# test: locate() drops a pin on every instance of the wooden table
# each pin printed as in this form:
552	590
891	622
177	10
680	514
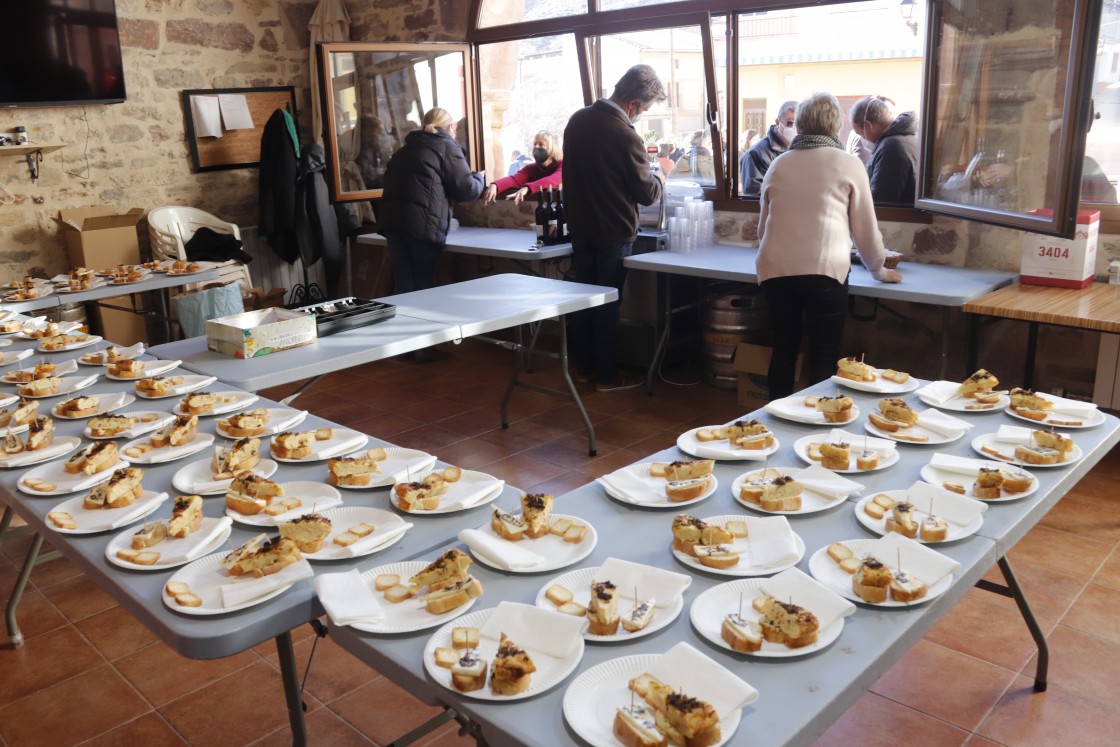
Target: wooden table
1096	307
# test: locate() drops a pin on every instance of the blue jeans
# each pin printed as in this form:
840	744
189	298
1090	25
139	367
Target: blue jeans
823	303
414	263
594	332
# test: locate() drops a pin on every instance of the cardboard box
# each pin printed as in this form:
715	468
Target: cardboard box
98	237
1066	263
256	333
371	271
752	363
121	327
258	299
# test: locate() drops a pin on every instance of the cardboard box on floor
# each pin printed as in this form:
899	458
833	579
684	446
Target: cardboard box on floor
99	237
752	363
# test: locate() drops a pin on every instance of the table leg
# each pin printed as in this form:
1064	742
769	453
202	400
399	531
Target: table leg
591	448
310	383
1013	590
15	636
1032	348
973	343
5	522
290	676
665	313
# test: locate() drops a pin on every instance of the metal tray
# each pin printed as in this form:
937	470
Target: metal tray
341	314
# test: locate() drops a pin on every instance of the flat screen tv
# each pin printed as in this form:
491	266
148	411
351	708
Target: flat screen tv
60	53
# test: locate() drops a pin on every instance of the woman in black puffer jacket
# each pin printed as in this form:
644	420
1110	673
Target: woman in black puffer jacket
422	182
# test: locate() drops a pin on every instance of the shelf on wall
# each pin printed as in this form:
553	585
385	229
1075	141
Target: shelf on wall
23	150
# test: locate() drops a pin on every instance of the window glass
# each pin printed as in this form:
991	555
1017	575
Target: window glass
851	50
526	86
502	12
620	4
1102	145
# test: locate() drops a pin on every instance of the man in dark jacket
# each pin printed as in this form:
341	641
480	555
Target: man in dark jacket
422	182
893	168
606	173
755	162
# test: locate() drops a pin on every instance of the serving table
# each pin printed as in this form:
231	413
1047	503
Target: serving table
935	285
505	243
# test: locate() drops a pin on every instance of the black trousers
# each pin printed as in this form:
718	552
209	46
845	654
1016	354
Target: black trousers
593	333
816	303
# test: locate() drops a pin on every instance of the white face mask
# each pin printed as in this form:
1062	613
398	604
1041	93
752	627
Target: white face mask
789	133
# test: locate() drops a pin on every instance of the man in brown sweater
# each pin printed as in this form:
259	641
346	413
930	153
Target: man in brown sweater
606	175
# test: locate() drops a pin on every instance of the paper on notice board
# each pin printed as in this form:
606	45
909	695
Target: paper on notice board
206	116
235	111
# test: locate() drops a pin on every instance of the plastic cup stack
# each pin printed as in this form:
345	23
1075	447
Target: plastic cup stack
692	226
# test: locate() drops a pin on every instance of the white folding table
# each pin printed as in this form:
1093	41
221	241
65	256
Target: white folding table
504	243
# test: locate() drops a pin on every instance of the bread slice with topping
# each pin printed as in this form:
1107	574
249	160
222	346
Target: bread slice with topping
536	510
186	515
512	669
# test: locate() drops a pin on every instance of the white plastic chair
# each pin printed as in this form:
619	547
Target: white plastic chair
172	226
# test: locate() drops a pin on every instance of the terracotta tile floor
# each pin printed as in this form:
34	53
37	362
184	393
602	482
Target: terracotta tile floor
90	674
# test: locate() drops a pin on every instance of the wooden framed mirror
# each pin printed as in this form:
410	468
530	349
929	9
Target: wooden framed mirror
373	95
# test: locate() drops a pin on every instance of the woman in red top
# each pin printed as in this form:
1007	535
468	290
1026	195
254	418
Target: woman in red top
542	173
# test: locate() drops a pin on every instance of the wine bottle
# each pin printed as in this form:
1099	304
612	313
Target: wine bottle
561	223
550	206
541	219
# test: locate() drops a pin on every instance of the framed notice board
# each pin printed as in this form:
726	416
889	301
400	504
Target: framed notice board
236	148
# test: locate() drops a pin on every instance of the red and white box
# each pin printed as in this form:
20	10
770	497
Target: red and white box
1066	263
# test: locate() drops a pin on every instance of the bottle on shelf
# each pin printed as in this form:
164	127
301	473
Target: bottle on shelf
541	219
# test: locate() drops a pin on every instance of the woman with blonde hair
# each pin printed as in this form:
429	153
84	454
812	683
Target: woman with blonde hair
423	181
542	173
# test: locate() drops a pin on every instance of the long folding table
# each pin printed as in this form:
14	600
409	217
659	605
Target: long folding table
502	243
935	285
799	696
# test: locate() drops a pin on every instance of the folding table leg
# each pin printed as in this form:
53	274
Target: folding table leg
15	636
591	448
666	316
1015	591
5	522
290	675
310	383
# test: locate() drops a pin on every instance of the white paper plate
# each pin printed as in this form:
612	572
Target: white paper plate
279	419
962	404
721	449
238	401
579	582
879	526
556	552
70	384
60	447
7	399
810	502
67	289
937	478
308	492
167	453
796	411
339	436
106	403
161	419
206	577
101	357
185	478
744	568
399	464
550	672
709	609
469	483
592	699
171	273
16	357
344	517
801	448
123	541
656	485
1090	422
191	382
44	290
83	517
64	482
880	386
914	430
410	615
989	440
828	572
151	368
91	340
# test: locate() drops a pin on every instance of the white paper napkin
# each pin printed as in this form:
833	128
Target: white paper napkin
288	422
208	486
113	518
1083	410
684	668
805	591
625	485
859	441
958	465
939	392
918	560
664	586
82	383
245	590
198	541
535	629
347	445
348	598
1013	434
790	407
941	423
65	367
97	477
17	356
22	458
826	482
318	505
465	496
770	541
502	553
189	387
384	533
109	402
952	507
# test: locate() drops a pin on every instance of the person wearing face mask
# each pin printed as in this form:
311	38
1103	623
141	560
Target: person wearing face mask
893	167
755	162
606	174
543	172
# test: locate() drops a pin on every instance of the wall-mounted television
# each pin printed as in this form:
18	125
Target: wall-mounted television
60	53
